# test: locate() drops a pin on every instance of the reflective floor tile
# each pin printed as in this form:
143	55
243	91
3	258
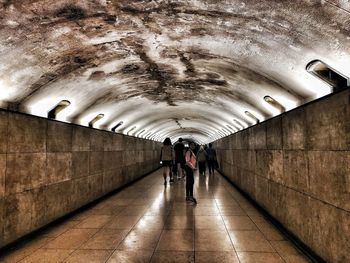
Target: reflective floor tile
209	222
72	239
179	222
256	257
239	223
212	240
176	240
134	256
105	239
90	256
250	241
216	257
94	221
44	255
146	240
172	257
122	222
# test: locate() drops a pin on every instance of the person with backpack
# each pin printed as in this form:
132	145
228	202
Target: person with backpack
190	166
166	158
212	161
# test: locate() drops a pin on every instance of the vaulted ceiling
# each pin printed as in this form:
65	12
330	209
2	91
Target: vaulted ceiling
168	68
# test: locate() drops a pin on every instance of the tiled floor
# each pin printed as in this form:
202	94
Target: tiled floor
148	222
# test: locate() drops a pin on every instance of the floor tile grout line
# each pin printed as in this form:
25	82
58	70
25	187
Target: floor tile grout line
194	237
42	246
124	236
99	229
160	236
256	224
229	236
32	252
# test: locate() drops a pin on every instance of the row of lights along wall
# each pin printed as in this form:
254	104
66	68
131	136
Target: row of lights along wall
316	67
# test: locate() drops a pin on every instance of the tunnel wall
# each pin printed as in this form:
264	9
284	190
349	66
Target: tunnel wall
50	168
297	167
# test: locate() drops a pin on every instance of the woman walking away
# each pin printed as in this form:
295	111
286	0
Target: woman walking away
166	157
190	166
202	159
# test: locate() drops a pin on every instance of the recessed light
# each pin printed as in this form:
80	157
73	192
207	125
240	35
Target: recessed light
58	108
248	113
96	119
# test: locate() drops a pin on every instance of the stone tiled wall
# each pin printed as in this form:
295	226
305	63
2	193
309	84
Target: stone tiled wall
49	168
297	167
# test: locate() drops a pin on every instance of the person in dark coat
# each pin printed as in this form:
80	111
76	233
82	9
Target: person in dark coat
211	156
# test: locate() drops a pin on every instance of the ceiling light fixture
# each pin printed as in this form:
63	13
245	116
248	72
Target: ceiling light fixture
116	126
96	119
274	103
249	114
327	74
240	125
133	128
52	114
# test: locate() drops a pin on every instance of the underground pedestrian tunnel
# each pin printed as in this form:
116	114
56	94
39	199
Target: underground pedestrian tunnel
90	89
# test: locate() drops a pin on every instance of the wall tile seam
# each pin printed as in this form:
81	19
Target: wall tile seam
300	150
120	150
49	184
69	209
286	149
6	161
298	191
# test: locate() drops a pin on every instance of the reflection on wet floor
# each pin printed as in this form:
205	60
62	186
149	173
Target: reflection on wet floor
148	222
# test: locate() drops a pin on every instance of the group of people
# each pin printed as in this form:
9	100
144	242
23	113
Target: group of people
183	161
206	156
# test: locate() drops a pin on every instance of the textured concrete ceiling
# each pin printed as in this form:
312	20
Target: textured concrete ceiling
168	68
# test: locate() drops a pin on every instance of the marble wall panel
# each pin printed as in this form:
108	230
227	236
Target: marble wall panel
18	215
57	197
2	174
294	129
108	141
302	176
80	164
3	131
51	168
274	133
39	215
259	137
97	139
330	177
96	162
2	223
81	139
329	129
59	137
26	134
119	143
296	172
25	171
58	167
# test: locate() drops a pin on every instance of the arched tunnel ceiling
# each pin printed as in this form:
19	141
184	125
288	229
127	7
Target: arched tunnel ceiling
168	68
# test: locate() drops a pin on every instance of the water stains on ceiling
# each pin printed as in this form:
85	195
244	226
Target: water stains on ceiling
172	68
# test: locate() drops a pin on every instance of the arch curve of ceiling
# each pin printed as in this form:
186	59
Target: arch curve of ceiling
168	68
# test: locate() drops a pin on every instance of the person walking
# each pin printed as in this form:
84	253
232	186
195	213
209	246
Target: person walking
190	166
179	149
166	158
211	155
202	159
